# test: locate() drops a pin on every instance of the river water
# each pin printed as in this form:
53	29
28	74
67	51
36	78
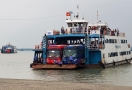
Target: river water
17	66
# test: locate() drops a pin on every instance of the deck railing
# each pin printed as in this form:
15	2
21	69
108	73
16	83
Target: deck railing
105	32
96	47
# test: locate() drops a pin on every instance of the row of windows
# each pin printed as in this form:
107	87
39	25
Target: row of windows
110	41
113	54
125	52
123	41
114	41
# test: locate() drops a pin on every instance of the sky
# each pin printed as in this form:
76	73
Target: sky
24	22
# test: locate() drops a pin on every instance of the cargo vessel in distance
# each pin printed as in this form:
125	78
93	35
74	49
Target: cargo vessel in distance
8	49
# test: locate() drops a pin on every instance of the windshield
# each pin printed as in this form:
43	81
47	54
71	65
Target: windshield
53	53
67	53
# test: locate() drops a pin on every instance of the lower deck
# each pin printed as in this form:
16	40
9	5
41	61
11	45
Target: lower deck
56	66
76	66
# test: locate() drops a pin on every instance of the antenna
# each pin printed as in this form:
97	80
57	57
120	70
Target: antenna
97	15
77	16
83	15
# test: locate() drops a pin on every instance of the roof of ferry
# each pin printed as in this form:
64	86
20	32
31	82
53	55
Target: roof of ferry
97	24
73	35
76	20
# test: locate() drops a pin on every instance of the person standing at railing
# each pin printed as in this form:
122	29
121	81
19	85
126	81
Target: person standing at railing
66	31
35	59
71	30
49	43
117	32
85	31
101	31
62	30
70	59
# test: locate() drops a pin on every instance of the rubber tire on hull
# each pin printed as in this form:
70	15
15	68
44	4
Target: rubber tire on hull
126	60
103	65
113	63
31	65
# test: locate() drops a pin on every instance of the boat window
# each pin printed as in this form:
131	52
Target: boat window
112	40
75	24
116	53
112	54
115	41
123	53
106	41
109	40
108	54
126	41
121	41
67	53
69	24
129	52
53	53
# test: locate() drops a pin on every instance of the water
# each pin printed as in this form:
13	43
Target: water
17	66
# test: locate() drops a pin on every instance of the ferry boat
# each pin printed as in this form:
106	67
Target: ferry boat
9	49
103	46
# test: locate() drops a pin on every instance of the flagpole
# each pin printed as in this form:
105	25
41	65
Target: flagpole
78	10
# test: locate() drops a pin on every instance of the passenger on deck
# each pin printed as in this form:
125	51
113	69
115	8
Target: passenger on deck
101	31
49	43
71	30
35	59
85	31
35	46
39	60
80	29
66	31
60	63
80	42
70	59
38	46
55	61
88	31
74	30
62	30
117	32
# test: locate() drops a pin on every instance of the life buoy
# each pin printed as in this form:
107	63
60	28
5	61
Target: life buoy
103	65
126	60
31	65
113	62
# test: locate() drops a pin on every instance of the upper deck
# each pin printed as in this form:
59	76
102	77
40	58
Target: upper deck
78	30
77	27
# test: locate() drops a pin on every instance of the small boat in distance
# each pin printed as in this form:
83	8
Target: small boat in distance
21	49
9	49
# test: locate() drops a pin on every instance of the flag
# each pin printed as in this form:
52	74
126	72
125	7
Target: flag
68	14
77	6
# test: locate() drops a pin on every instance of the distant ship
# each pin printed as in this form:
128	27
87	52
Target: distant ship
22	49
9	49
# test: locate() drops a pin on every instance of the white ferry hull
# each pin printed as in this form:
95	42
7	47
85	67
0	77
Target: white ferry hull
117	63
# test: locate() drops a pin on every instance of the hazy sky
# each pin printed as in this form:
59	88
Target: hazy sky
24	22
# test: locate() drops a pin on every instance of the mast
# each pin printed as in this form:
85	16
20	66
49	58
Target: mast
77	16
97	16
